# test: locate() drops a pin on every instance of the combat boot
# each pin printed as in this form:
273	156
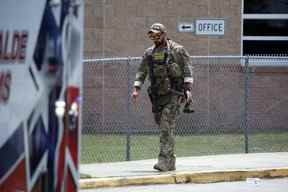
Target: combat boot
172	163
161	167
165	164
161	164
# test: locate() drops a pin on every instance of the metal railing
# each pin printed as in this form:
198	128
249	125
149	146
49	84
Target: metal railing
240	106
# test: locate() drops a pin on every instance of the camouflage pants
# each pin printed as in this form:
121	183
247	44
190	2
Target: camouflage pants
166	120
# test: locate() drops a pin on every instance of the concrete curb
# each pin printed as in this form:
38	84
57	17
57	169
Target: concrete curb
185	177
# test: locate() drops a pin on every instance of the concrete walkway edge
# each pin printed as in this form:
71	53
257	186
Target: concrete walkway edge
185	177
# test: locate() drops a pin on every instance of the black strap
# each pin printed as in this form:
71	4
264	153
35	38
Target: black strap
152	90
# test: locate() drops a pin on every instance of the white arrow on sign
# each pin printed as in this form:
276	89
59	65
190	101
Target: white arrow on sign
185	27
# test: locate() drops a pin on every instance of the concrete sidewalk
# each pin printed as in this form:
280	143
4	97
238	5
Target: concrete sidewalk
200	169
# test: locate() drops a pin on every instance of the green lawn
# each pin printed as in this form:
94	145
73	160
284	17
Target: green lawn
109	148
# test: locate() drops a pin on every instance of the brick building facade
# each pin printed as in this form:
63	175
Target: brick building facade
118	27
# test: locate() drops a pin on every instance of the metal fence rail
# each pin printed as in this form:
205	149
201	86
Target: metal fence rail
240	106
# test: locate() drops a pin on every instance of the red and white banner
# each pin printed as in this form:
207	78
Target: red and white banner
40	66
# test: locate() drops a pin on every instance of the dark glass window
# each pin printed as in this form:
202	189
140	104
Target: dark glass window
265	27
266	6
265	47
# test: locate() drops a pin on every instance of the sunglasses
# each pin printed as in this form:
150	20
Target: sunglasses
154	36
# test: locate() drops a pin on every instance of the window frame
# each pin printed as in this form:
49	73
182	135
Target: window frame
260	16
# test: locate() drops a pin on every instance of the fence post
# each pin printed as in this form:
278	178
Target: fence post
245	114
128	133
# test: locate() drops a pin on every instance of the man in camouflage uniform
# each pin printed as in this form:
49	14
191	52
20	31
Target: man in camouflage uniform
170	73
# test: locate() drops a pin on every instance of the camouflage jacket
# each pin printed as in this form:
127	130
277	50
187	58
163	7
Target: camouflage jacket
179	55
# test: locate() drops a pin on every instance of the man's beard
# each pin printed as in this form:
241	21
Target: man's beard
159	43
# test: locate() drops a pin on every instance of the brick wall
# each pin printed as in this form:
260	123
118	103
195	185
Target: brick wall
118	27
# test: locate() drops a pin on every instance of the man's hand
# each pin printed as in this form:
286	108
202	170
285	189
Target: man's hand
187	92
188	96
188	108
135	94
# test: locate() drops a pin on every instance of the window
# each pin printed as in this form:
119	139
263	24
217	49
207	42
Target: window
265	6
268	47
265	27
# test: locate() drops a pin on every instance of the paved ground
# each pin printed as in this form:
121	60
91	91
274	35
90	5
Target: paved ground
201	169
263	185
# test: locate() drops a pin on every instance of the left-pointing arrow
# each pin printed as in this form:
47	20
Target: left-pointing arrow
186	27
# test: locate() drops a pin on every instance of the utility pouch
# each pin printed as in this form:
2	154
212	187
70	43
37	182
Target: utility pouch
174	70
163	86
160	70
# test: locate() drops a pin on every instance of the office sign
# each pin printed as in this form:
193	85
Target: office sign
210	27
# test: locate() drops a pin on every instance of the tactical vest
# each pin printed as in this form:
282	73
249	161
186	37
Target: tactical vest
165	73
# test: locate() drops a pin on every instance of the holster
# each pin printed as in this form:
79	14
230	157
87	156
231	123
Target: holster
188	107
156	108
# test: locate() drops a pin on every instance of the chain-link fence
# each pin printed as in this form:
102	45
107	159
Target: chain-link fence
240	106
